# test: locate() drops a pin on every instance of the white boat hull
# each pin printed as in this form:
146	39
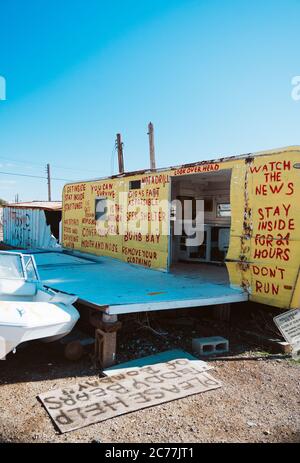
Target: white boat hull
26	321
28	310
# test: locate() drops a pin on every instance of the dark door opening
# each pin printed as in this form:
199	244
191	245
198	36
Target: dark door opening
213	188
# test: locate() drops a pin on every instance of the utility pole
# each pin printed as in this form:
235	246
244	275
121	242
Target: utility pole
120	153
48	181
151	145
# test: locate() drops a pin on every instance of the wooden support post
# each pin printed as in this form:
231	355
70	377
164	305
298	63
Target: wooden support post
105	337
151	145
221	312
105	347
120	153
48	181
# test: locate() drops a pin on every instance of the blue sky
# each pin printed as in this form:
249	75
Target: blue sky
214	76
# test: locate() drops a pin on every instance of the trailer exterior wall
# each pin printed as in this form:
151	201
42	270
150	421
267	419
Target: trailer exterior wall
264	251
149	248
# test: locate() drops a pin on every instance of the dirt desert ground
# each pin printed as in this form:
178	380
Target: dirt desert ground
259	400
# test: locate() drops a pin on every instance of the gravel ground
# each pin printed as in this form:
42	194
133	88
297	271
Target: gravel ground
259	400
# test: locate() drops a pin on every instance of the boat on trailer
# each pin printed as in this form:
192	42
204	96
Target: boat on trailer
29	310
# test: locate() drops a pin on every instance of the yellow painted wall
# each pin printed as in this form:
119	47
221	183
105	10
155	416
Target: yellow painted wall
148	248
264	252
265	234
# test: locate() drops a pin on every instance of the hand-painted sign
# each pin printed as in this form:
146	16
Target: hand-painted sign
265	228
288	324
97	400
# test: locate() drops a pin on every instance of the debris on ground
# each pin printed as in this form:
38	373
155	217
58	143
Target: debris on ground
161	357
264	392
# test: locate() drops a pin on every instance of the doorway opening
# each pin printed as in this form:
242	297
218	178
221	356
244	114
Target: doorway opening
213	188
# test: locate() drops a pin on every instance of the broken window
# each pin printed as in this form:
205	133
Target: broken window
134	184
100	208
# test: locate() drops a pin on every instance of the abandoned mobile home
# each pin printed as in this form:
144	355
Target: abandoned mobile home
250	248
251	234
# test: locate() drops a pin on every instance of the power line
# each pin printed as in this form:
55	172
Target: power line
48	181
37	176
42	165
21	162
72	168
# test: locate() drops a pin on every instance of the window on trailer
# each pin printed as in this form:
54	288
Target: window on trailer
100	208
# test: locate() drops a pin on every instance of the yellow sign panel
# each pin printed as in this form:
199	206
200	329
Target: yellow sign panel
265	240
129	205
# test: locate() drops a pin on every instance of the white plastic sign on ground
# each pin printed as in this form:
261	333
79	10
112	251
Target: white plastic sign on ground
288	324
98	399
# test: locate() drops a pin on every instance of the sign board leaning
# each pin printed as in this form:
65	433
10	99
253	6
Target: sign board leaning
288	324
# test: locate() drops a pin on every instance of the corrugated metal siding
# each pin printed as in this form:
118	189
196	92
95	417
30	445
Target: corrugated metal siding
26	228
1	224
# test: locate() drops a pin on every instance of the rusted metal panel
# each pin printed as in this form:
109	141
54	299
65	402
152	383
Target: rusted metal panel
27	228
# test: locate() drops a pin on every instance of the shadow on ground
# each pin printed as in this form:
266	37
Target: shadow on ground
141	335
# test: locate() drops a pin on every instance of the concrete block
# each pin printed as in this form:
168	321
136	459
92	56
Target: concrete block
210	346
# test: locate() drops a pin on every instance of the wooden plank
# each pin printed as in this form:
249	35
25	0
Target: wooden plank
276	345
